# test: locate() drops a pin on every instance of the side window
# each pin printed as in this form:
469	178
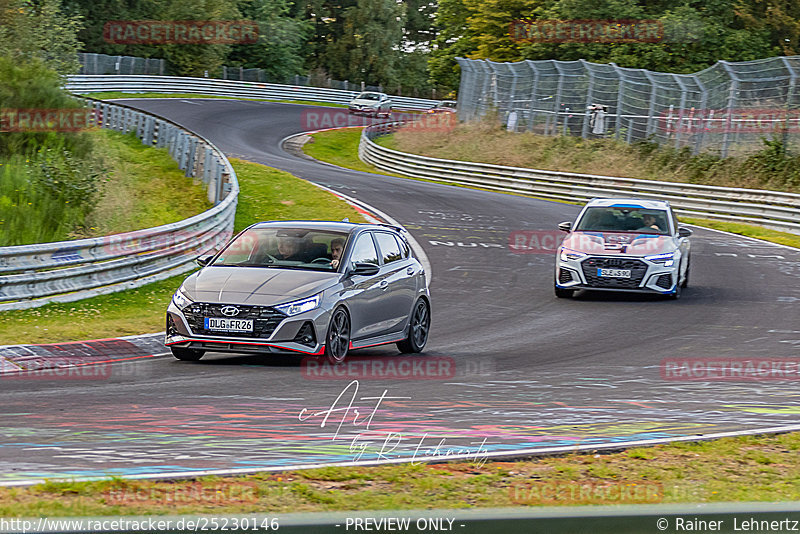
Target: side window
390	249
404	248
364	250
674	229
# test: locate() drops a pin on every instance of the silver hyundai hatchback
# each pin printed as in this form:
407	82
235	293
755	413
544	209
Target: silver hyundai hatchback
305	287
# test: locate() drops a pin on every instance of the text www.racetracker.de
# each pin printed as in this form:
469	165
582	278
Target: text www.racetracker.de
197	524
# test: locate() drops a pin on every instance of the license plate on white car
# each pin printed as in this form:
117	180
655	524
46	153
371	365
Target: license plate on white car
222	324
614	273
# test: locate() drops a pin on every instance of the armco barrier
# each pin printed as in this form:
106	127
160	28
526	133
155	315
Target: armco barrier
230	88
772	209
33	275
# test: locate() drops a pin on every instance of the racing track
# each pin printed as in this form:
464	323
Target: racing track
527	370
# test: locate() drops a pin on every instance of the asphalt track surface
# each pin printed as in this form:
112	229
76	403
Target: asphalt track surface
513	367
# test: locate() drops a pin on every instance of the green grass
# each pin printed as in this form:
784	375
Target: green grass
144	187
784	238
762	468
113	95
340	147
265	194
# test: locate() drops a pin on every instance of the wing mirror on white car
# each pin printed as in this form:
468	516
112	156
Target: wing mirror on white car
684	232
565	226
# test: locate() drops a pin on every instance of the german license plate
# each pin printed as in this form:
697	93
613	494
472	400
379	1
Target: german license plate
614	273
223	324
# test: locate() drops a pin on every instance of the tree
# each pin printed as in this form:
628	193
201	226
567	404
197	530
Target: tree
40	30
281	40
369	46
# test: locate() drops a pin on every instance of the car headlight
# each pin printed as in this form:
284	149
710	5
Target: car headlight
180	299
567	254
666	259
299	306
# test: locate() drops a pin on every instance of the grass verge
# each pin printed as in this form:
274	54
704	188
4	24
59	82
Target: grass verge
266	194
340	147
113	95
144	187
762	468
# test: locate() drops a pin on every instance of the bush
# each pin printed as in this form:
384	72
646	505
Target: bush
33	86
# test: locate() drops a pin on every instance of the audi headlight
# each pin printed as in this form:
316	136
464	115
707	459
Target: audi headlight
180	299
299	306
666	259
567	254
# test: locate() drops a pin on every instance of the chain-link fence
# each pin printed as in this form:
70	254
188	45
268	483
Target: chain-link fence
262	76
727	108
103	64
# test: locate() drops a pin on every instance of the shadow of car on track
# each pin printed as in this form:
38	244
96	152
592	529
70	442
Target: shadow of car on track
618	296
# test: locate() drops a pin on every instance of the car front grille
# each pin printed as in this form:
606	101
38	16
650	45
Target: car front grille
590	265
265	319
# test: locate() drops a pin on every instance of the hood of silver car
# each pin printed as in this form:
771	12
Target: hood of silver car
255	285
609	243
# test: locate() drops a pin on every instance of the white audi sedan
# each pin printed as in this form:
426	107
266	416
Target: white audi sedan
624	244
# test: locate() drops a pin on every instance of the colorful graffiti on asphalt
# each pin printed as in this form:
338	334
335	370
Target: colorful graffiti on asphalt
40	439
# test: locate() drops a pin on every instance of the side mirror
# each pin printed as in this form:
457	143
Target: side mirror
684	232
202	261
365	269
565	226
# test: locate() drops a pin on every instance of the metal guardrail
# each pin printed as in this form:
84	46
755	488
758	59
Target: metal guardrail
772	209
33	275
210	86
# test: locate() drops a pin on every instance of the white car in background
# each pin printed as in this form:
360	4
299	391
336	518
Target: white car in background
624	244
371	103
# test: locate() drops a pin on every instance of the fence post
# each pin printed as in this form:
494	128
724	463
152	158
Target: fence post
589	99
557	104
698	144
731	99
651	111
681	109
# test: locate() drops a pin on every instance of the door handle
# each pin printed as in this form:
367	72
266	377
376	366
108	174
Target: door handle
384	284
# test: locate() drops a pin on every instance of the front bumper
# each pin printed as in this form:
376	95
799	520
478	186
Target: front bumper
646	276
290	335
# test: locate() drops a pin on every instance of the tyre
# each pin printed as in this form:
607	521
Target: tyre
418	328
337	341
677	293
563	293
187	355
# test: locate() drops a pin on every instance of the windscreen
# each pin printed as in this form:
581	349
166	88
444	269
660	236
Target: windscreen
288	248
620	219
368	96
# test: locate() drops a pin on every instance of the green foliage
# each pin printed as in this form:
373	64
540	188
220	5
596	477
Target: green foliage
39	31
368	47
45	196
695	35
281	40
196	59
32	85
